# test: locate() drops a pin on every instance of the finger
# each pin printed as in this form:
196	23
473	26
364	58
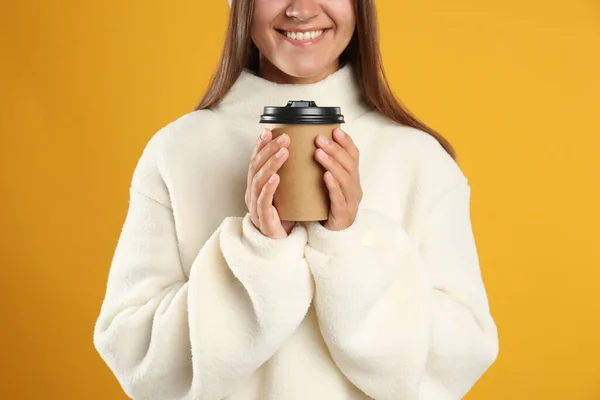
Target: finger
339	153
336	195
339	173
265	202
344	140
268	169
263	151
267	152
263	139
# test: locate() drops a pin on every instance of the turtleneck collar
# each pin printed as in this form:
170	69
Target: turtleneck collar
244	103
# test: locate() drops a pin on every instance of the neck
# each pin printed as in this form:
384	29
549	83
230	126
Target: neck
271	73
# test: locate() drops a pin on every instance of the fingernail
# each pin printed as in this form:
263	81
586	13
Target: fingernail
280	152
340	132
263	135
323	139
281	138
272	179
322	154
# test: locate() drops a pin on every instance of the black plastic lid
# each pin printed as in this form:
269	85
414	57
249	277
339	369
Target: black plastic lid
302	112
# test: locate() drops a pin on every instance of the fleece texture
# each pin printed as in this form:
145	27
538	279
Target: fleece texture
200	305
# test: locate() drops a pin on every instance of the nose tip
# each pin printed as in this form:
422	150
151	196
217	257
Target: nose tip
303	10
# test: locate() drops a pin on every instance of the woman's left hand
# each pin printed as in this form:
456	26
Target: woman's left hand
340	158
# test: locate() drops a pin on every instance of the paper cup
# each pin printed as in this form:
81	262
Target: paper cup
302	194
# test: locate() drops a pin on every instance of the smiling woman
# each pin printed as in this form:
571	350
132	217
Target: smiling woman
212	296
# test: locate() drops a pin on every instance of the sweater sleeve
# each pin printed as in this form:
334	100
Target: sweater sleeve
403	319
165	336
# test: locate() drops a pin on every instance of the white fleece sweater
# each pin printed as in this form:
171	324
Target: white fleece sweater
201	306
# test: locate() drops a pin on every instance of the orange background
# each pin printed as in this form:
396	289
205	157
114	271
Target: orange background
514	85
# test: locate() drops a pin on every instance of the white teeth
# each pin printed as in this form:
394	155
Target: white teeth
304	35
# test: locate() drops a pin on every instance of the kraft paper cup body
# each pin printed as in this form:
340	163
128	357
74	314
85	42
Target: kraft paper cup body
302	194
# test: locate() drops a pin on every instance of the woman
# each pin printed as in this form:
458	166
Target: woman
211	296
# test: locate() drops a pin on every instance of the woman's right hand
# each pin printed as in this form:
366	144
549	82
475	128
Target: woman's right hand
268	156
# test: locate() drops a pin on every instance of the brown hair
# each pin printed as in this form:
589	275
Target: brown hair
363	53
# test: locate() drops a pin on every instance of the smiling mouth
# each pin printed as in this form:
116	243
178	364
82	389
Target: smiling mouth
303	35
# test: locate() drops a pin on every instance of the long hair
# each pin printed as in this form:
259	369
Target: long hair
363	53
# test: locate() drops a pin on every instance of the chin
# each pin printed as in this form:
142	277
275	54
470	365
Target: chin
304	69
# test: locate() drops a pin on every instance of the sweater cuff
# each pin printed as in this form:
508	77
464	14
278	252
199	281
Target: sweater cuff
289	247
330	242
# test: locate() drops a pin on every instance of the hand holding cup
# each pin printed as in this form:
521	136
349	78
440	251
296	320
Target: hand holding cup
268	157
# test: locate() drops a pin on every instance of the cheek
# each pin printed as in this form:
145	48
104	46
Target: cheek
343	15
259	27
265	13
